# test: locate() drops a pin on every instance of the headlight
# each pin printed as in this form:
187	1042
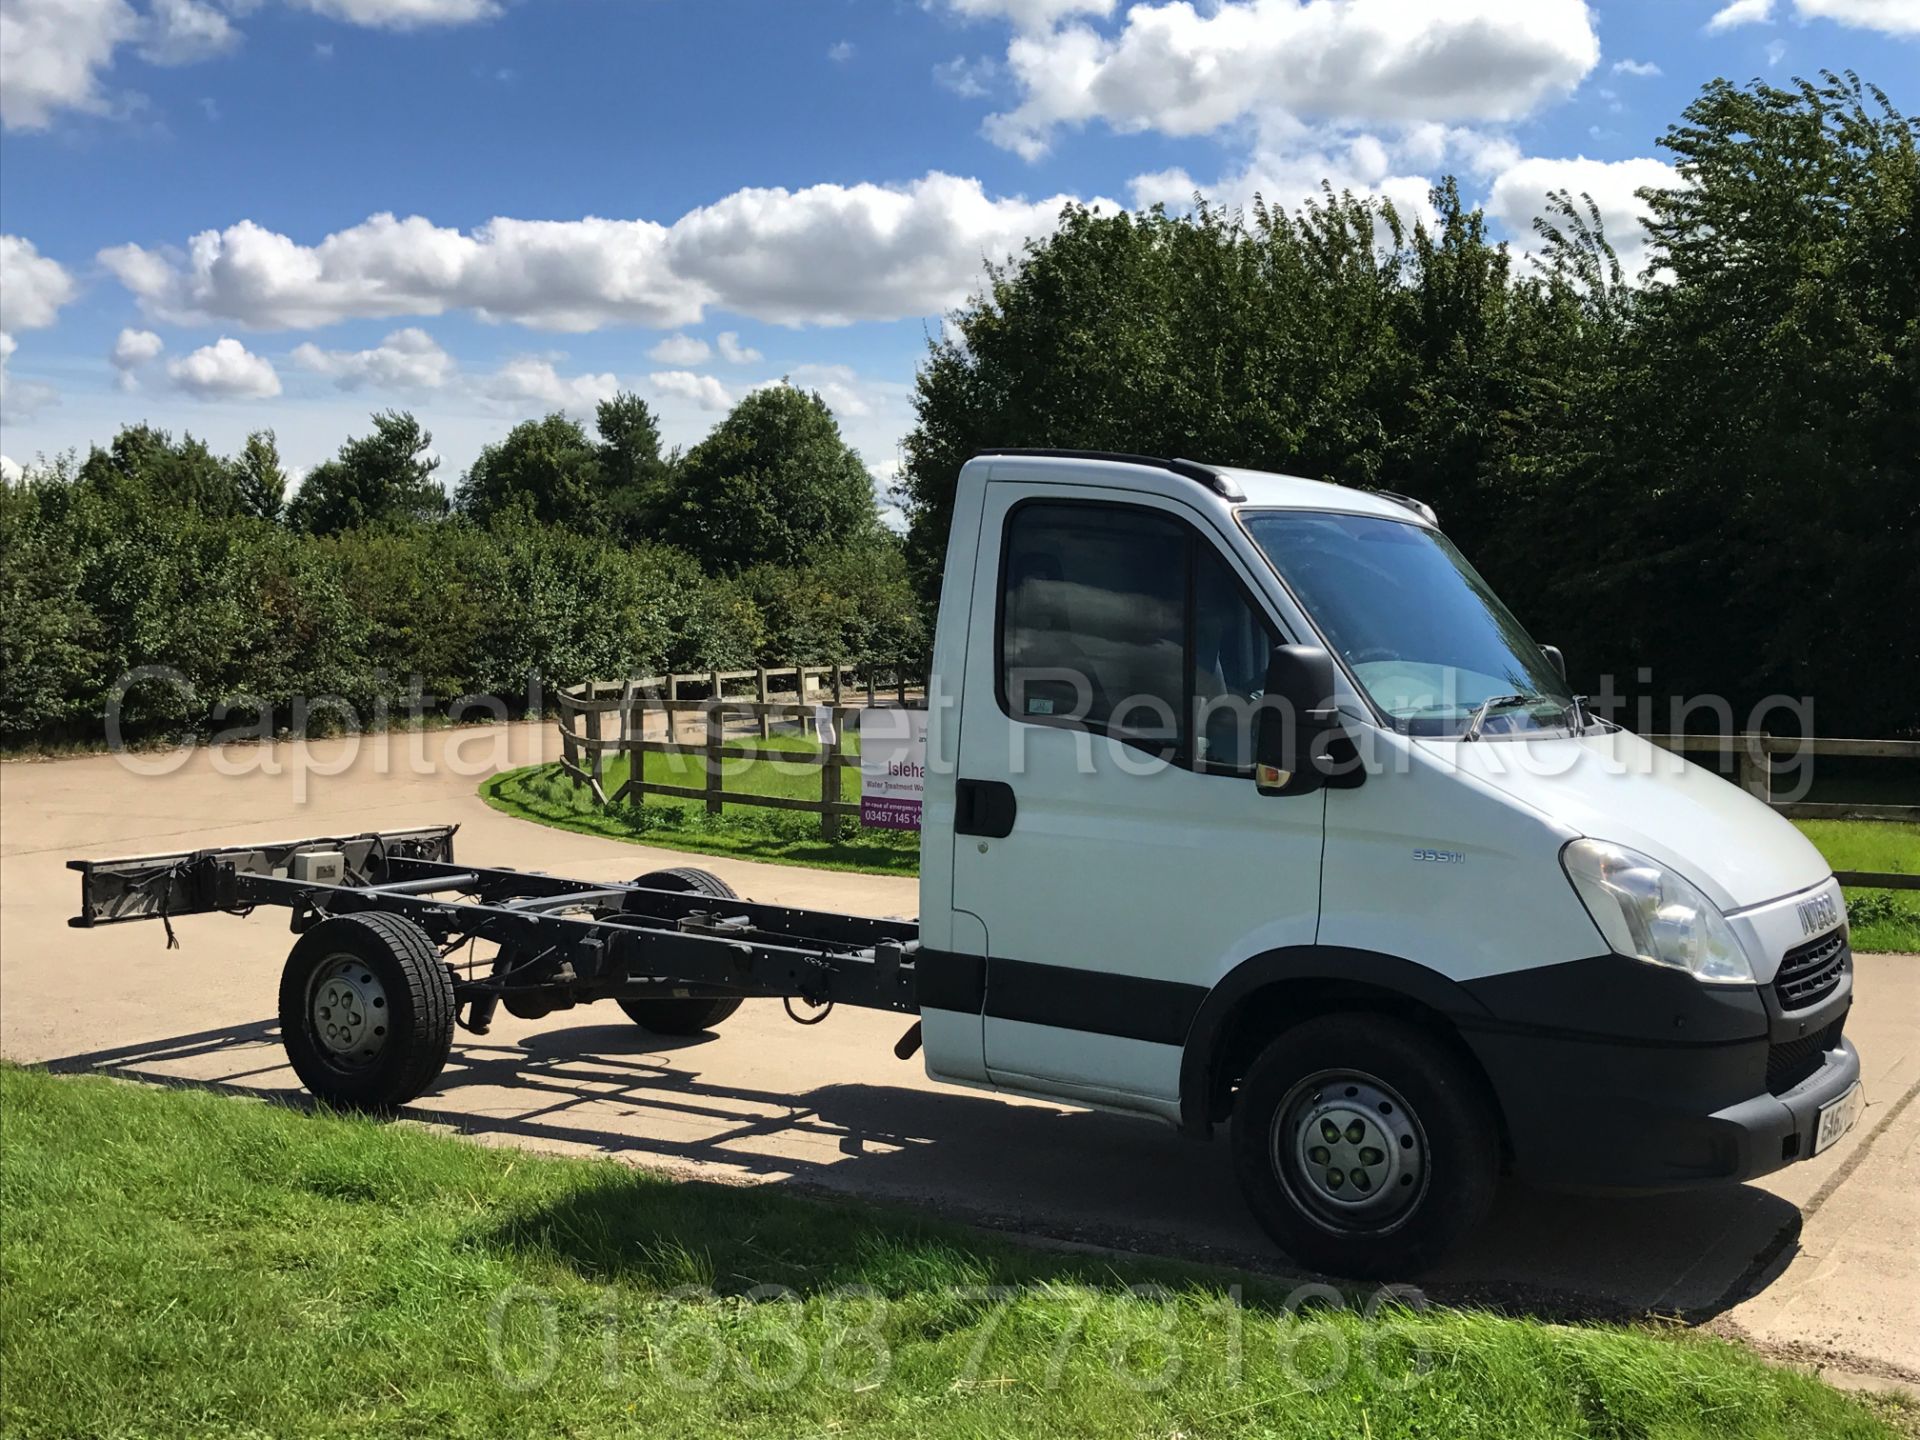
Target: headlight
1646	911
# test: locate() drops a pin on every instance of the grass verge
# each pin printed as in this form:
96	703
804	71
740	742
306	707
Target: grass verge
179	1263
544	793
1877	919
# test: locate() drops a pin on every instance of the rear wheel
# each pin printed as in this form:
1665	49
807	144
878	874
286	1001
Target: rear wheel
1363	1145
366	1011
670	1015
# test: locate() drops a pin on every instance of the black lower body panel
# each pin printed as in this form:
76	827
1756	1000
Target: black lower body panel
1612	1074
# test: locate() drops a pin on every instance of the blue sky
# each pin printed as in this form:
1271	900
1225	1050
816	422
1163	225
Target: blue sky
692	197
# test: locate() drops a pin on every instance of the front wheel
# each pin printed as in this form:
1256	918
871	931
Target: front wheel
366	1011
672	1015
1364	1146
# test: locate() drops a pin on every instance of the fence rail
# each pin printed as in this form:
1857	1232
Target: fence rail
834	694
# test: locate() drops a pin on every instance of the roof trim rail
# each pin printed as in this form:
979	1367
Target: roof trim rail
1419	507
1207	475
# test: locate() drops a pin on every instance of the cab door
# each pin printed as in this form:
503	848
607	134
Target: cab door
1108	834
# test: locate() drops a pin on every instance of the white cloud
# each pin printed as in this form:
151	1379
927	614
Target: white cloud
224	370
403	14
835	254
681	350
1519	194
1741	12
1896	17
561	275
51	53
703	390
1030	14
969	79
32	291
732	351
32	287
131	350
182	32
1641	69
1776	51
20	399
826	255
840	51
408	359
532	379
1179	71
10	470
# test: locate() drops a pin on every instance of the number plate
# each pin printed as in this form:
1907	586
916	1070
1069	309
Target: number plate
1837	1117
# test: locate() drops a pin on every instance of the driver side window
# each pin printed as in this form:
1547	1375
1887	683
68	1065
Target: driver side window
1128	622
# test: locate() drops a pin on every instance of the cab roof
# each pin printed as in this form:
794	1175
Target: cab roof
1261	489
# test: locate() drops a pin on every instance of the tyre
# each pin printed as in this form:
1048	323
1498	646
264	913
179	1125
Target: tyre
1364	1147
366	1011
668	1015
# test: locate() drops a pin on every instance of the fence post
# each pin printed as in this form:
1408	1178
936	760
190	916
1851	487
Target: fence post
830	781
714	736
569	750
596	757
760	689
836	692
1756	766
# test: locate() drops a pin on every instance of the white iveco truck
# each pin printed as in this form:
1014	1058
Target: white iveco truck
1247	804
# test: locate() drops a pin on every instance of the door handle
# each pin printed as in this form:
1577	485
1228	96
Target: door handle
983	807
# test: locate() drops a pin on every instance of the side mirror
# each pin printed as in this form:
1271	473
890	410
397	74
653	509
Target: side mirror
1296	718
1555	659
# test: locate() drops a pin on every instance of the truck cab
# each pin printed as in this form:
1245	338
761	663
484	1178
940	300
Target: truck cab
1249	803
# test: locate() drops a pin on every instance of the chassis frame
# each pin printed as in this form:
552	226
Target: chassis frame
562	942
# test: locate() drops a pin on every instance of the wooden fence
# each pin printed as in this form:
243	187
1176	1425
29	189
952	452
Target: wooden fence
837	694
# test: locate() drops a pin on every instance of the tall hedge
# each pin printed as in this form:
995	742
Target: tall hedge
245	615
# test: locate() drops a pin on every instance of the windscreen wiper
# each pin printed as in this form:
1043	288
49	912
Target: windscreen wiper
1488	706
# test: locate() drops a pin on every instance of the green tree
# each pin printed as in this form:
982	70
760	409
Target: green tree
259	478
381	478
1779	361
636	475
774	483
546	469
144	467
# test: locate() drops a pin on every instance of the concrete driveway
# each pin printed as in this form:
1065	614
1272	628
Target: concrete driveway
1819	1264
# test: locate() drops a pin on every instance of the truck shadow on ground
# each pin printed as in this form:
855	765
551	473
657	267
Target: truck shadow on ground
1025	1169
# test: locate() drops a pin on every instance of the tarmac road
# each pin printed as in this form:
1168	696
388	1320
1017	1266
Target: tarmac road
1818	1264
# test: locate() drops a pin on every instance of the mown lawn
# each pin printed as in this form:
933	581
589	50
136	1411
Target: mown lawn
1878	919
177	1263
546	794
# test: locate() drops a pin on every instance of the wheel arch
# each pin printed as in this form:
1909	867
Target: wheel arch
1277	989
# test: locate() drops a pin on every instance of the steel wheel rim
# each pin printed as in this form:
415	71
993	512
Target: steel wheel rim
347	1010
1350	1152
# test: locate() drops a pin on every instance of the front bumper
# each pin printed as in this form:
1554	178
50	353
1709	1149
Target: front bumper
1667	1084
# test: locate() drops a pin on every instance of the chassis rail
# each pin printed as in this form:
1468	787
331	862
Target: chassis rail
561	941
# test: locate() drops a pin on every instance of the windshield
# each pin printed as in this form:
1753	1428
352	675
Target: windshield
1422	633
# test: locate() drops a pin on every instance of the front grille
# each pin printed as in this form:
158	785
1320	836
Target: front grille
1792	1061
1811	972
